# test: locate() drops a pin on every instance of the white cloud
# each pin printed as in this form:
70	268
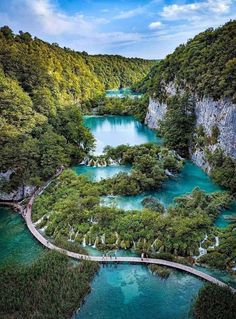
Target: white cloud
155	25
188	11
80	32
130	13
54	22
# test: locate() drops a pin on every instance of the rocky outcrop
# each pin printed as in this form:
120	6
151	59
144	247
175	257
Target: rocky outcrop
209	114
156	112
18	194
221	113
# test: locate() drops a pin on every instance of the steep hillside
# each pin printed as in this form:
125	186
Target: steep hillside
193	101
115	71
42	90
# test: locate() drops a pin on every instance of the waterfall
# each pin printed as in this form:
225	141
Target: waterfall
43	229
117	238
153	244
91	162
39	220
76	234
71	233
103	239
168	173
217	241
202	251
84	242
95	243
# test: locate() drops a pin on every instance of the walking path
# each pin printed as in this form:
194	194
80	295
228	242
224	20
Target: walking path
27	216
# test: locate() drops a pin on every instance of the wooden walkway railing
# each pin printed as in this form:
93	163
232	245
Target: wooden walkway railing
106	259
27	212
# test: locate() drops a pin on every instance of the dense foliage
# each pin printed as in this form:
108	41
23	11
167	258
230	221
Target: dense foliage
115	71
42	91
214	302
223	256
150	165
223	169
205	65
52	287
76	211
122	106
178	124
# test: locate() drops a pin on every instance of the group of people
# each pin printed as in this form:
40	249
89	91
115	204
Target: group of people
110	255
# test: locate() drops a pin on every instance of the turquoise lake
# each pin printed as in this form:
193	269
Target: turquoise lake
123	291
116	130
121	93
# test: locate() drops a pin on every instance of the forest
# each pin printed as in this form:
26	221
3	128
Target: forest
215	302
73	208
51	287
203	67
43	92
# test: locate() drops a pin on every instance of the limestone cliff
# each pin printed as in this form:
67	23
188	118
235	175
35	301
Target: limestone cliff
209	114
20	193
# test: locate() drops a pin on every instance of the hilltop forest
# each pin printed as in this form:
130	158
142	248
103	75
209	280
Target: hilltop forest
43	89
203	67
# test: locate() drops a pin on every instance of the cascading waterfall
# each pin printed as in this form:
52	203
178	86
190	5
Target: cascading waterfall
39	220
168	173
153	244
84	242
43	229
100	162
202	251
117	238
217	242
95	242
103	239
71	233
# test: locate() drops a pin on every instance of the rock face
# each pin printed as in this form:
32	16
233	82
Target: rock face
156	112
209	114
18	194
221	113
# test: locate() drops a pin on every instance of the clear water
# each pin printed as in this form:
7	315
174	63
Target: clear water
98	173
16	242
116	130
122	93
122	291
126	291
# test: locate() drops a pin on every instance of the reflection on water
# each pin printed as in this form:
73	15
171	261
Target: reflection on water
117	130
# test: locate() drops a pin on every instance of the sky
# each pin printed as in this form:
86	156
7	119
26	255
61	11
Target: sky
133	28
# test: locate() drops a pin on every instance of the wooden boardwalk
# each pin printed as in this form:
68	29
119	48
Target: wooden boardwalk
27	212
136	260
